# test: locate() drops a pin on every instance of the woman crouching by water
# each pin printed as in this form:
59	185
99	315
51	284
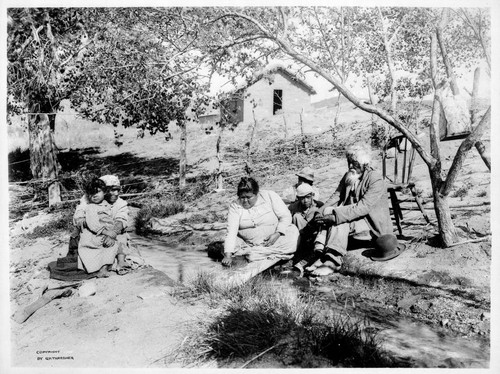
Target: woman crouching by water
259	226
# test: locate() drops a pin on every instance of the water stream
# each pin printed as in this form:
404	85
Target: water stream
403	337
179	264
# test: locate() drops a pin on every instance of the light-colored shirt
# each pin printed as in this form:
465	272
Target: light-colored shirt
98	217
254	225
119	211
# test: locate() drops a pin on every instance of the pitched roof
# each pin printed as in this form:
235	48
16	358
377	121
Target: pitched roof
289	75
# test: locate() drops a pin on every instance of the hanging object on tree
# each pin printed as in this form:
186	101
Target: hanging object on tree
454	121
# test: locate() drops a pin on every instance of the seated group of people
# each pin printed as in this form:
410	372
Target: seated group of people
311	233
260	224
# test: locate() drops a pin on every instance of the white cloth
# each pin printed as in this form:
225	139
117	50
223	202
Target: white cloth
92	255
254	225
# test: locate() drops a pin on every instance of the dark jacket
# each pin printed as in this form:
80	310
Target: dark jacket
371	203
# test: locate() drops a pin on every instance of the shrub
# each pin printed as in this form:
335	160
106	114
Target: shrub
158	209
462	191
19	165
62	223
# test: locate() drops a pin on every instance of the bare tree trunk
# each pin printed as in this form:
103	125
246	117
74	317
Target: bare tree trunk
370	92
446	227
182	157
248	162
466	145
286	126
481	149
337	111
390	62
219	178
475	93
444	52
43	153
482	152
305	143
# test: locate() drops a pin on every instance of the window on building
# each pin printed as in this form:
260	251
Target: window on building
277	101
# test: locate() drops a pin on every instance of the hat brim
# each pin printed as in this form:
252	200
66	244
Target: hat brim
399	249
307	194
305	177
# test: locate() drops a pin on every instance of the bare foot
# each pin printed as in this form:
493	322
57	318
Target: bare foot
103	272
314	266
227	260
326	269
300	267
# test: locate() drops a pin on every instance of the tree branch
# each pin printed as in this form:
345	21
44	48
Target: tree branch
466	145
447	63
284	20
436	105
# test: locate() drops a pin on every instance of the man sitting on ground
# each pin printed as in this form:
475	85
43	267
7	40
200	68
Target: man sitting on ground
359	204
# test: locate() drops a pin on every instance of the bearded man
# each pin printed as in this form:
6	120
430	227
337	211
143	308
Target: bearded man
359	205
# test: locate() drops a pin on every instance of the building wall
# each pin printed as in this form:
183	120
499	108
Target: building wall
295	98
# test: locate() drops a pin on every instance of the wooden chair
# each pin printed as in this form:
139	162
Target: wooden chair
399	179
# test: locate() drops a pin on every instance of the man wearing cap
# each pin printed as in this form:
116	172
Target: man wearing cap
305	176
119	213
360	204
303	211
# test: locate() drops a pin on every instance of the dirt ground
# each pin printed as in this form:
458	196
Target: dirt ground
135	321
431	305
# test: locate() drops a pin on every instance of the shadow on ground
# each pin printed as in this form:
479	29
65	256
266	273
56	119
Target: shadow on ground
89	160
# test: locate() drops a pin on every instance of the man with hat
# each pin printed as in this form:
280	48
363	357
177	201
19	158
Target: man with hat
303	211
305	176
119	213
360	204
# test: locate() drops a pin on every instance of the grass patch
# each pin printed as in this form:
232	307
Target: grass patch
243	332
263	315
344	343
156	208
62	223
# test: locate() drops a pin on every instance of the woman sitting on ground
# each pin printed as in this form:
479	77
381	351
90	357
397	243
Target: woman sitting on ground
259	225
97	247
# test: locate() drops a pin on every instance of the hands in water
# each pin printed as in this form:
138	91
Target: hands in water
271	239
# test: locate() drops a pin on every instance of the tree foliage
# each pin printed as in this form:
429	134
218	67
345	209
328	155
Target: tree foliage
45	48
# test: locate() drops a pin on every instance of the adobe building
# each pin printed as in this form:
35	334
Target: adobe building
272	92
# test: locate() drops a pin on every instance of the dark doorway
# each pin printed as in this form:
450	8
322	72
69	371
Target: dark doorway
277	100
